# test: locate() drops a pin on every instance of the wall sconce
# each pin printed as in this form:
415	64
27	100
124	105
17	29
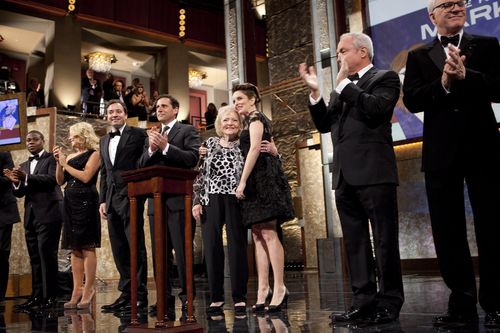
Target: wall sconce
100	61
182	23
196	78
71	6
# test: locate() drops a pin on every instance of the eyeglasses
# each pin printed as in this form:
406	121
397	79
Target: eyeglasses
451	4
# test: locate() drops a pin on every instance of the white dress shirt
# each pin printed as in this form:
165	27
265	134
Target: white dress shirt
113	145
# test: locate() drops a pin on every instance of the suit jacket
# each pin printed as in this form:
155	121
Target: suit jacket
42	195
8	202
459	125
359	120
184	143
112	187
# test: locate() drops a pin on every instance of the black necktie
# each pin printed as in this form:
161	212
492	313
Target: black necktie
114	133
34	157
164	129
353	77
450	40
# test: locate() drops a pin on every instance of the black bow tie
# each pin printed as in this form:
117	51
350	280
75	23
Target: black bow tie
450	40
34	157
114	133
353	77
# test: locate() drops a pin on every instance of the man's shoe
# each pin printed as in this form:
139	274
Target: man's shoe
118	303
453	318
353	314
142	307
152	309
31	303
383	316
49	303
492	319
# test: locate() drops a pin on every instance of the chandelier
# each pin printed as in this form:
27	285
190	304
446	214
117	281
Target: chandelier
196	78
100	61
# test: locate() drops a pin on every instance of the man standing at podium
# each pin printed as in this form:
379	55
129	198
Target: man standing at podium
175	145
119	150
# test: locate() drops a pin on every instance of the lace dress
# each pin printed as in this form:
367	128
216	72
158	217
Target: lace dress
267	193
82	223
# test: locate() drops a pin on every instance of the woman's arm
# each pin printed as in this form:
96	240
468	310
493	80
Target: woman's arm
59	169
256	129
88	172
136	99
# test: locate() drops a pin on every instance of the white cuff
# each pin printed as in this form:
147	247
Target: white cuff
342	85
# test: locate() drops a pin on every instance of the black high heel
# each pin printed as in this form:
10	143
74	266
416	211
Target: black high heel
261	307
281	306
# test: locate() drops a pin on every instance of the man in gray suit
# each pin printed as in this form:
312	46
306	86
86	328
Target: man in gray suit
176	145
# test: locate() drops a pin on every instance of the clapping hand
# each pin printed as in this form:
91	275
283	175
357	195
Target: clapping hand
454	68
156	140
310	78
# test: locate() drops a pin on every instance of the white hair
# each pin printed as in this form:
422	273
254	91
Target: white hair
361	40
431	4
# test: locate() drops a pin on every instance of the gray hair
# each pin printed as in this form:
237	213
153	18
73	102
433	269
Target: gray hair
431	4
361	40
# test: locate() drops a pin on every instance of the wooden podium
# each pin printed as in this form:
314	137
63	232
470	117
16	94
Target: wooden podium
157	181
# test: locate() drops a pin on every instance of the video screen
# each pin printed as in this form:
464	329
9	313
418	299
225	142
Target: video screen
10	130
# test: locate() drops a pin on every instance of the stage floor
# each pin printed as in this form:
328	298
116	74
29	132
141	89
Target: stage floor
311	302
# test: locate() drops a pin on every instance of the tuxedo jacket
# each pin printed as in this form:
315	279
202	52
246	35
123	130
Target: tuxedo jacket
113	190
42	195
459	125
182	153
8	202
359	120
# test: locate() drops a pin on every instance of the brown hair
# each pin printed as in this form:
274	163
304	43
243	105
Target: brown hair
249	90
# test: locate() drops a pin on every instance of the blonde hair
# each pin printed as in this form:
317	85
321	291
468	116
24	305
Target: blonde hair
223	111
86	134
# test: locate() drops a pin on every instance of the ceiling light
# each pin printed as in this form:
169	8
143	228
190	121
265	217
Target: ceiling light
100	61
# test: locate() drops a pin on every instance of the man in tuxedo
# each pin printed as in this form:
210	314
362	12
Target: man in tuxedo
175	145
454	79
10	215
120	149
358	116
91	93
35	181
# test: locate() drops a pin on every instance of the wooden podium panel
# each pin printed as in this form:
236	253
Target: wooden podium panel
157	181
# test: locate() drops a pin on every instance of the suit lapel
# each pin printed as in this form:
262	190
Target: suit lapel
105	148
40	162
437	55
466	46
174	131
123	141
366	78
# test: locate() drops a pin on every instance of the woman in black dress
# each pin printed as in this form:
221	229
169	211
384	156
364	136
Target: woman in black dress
82	224
265	197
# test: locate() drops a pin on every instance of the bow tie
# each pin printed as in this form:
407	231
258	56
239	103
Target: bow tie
450	40
353	77
114	133
34	157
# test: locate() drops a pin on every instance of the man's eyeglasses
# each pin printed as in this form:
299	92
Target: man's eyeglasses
451	4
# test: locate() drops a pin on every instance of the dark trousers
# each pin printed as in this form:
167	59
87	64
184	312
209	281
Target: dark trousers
119	236
175	241
445	194
223	209
5	241
42	241
376	204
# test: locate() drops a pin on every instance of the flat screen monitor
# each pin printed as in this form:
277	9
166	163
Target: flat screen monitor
13	121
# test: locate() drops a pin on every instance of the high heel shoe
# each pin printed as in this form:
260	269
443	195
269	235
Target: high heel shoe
215	310
261	307
281	306
86	305
74	300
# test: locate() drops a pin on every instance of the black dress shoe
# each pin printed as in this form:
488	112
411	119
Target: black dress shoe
142	307
32	302
492	319
383	316
453	318
49	303
118	303
354	313
152	309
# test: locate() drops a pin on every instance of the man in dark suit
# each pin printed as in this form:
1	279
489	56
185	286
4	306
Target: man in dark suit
364	176
120	149
175	145
35	181
454	79
10	215
91	93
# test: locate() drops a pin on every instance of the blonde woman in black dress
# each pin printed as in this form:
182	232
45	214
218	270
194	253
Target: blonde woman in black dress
82	224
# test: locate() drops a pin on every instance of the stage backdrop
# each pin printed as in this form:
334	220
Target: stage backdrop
399	26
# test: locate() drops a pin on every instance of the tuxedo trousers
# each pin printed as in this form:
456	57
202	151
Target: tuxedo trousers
42	241
445	195
359	207
224	209
5	243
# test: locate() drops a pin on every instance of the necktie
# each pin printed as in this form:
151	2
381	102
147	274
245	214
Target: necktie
164	129
114	133
450	40
34	157
353	77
